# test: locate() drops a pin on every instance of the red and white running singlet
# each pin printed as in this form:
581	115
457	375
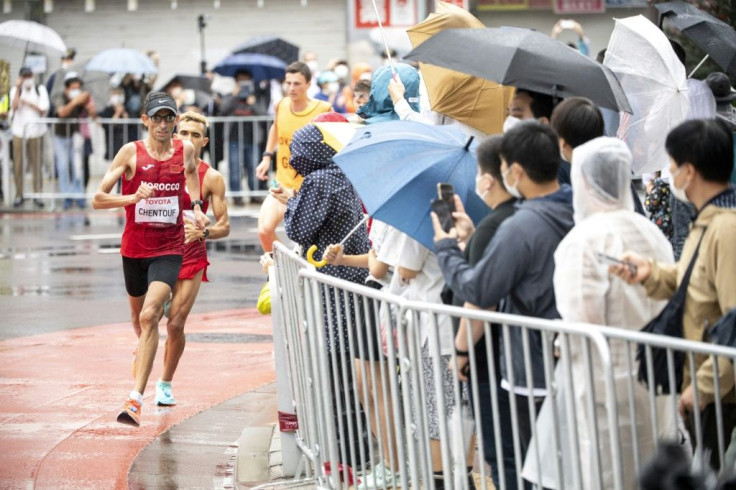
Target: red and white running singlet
196	250
154	226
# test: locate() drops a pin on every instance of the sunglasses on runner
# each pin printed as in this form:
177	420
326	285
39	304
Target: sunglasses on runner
169	118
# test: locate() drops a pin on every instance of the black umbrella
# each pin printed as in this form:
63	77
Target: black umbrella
272	46
525	59
713	36
194	82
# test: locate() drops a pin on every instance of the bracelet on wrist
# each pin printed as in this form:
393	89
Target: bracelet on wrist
461	353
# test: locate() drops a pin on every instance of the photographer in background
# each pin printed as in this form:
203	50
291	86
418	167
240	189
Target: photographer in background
244	136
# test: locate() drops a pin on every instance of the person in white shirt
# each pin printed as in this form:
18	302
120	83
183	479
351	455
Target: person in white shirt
29	102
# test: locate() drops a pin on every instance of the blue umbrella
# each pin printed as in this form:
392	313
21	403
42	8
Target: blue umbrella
261	66
121	60
396	166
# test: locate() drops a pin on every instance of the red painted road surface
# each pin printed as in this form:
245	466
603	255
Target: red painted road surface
60	393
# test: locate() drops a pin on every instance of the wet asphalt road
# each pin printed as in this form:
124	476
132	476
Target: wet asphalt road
61	270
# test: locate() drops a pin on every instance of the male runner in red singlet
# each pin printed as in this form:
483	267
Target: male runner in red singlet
192	127
156	174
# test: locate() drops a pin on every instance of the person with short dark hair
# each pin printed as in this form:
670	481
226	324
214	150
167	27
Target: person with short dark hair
577	120
245	137
701	160
517	266
69	142
489	187
528	105
535	151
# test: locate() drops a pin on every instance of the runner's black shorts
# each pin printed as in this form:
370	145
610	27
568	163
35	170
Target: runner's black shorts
139	273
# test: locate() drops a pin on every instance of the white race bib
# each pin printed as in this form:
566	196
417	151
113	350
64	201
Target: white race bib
162	210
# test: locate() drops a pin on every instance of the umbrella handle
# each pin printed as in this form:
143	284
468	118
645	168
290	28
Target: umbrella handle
310	257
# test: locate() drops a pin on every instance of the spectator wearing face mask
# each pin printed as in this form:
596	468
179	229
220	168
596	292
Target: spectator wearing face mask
75	103
116	135
29	102
701	160
245	137
328	87
342	70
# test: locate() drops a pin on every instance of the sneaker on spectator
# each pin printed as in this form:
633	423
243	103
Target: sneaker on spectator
131	414
164	397
38	203
380	477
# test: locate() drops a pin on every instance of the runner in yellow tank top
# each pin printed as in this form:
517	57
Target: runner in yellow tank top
288	122
292	113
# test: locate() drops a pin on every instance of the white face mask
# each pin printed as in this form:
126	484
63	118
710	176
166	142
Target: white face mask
512	190
27	84
73	93
679	192
117	99
342	72
333	87
190	97
483	194
510	122
313	66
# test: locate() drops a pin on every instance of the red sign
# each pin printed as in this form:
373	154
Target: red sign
463	4
579	6
288	422
394	13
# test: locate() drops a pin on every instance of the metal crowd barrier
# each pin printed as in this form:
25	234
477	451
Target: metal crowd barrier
104	137
366	366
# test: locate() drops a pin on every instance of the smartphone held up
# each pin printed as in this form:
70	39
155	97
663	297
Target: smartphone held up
444	205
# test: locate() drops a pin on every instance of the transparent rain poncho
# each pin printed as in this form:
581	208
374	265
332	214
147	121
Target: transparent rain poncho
585	292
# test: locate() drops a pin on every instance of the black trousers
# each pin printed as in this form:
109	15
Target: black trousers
709	425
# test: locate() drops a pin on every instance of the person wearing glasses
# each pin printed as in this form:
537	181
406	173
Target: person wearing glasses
156	173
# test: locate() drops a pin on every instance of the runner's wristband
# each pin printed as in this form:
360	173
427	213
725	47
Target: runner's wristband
268	154
197	203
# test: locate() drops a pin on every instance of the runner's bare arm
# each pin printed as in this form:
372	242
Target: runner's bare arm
265	165
123	161
213	187
190	172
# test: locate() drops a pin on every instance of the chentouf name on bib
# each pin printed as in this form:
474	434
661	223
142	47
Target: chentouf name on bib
157	211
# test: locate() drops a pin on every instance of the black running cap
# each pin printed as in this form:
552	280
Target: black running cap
160	103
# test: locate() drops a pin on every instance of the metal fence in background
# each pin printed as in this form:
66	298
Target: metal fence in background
375	387
235	147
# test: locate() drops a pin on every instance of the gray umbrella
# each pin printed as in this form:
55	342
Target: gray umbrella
525	59
713	36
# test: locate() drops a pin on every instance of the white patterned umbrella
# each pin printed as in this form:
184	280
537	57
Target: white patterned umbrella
29	35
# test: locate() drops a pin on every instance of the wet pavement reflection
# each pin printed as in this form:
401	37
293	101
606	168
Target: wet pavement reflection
63	270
